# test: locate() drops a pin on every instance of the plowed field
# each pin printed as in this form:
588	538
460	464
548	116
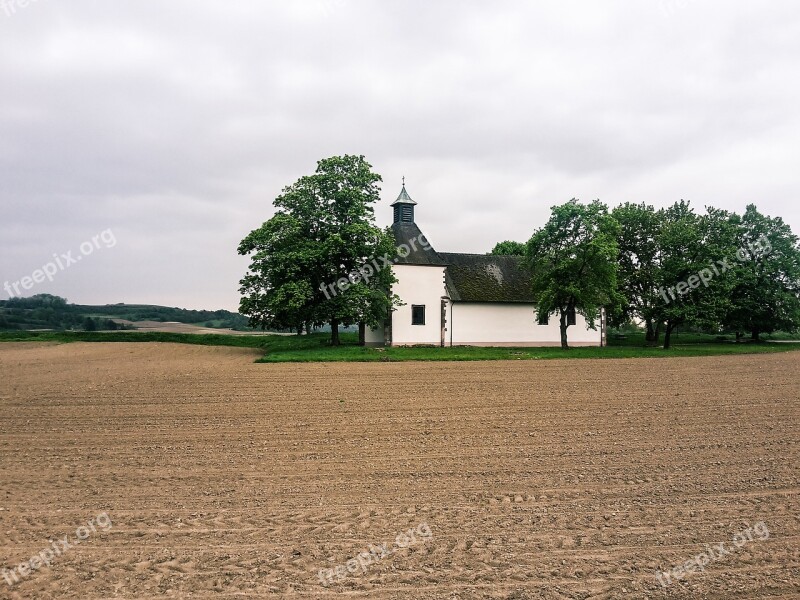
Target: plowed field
207	476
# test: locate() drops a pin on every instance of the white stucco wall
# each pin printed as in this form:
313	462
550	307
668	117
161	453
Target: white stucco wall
418	285
497	324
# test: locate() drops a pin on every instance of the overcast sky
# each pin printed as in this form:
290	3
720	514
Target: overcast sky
175	124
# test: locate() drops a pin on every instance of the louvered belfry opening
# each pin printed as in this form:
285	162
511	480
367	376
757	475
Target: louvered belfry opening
404	213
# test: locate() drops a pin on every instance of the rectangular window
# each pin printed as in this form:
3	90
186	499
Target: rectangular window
571	316
543	319
418	314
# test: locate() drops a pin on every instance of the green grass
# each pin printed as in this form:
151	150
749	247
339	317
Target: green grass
637	339
354	353
782	336
315	348
206	339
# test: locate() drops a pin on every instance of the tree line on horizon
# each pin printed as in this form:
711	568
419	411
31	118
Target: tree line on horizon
661	267
46	311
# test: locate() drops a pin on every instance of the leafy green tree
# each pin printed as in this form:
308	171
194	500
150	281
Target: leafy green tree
639	264
89	324
573	260
309	262
766	295
694	271
508	248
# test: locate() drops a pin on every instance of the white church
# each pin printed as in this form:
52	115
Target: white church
452	299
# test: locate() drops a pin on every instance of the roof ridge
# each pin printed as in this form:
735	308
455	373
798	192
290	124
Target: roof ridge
486	255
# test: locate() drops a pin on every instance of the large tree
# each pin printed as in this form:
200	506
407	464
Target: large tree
312	262
710	271
766	294
573	260
639	264
694	268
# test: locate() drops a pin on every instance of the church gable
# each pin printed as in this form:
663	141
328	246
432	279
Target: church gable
413	247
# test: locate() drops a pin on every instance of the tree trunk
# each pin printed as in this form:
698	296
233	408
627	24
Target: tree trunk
755	335
308	328
650	335
300	329
659	325
668	335
335	332
362	334
563	327
739	335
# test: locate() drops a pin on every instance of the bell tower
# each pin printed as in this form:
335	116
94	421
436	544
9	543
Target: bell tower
403	206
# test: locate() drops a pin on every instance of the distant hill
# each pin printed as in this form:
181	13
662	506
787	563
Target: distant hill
45	311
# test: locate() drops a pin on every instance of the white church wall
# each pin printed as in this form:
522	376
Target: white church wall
501	324
418	285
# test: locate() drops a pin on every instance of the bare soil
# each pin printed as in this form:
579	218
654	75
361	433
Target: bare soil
554	479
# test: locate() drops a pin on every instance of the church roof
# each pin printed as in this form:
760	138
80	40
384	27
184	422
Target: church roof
420	251
403	198
487	278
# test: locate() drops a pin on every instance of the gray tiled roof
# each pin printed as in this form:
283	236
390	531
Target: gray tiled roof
487	278
404	233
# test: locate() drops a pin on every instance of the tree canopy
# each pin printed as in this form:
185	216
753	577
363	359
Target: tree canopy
310	263
715	271
666	268
765	295
639	261
508	248
573	260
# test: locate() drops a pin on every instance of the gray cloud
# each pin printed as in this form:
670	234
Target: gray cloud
176	124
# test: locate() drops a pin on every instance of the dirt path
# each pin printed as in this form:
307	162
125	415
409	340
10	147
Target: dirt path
555	479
